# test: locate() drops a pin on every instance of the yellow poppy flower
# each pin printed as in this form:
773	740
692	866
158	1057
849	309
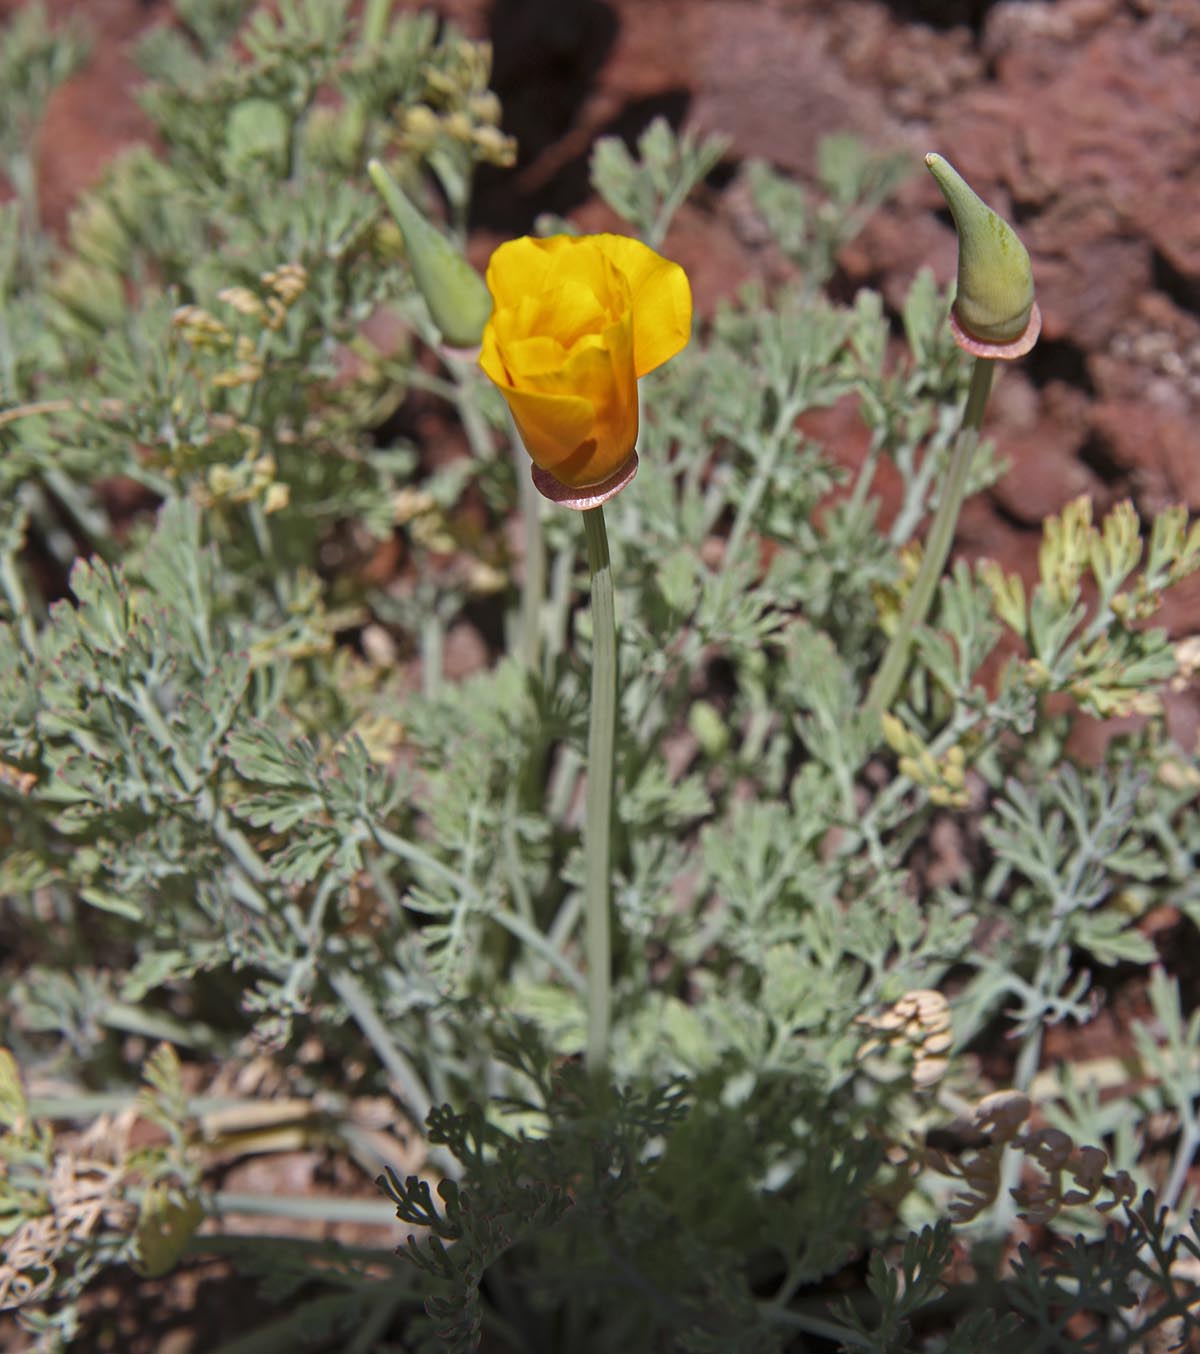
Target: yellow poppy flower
576	320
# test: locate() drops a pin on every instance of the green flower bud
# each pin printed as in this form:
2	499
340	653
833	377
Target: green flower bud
456	295
995	280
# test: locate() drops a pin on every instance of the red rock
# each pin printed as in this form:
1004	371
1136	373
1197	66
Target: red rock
845	438
95	113
1040	438
1159	449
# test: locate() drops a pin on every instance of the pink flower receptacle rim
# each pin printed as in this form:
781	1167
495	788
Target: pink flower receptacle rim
1017	347
592	495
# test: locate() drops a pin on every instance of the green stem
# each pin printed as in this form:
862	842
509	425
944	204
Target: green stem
815	1325
598	823
14	591
533	583
528	934
937	548
375	23
1005	1209
413	1093
1181	1164
479	437
370	1212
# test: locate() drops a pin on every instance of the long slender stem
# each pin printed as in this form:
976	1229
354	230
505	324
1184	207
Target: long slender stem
598	819
479	436
1181	1164
374	1213
937	547
533	582
14	591
815	1325
415	1096
32	410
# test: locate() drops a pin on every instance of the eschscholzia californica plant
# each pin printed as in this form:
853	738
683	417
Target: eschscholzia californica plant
576	322
994	318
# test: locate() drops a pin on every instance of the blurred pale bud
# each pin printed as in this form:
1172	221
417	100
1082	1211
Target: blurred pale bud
422	127
494	147
485	108
457	125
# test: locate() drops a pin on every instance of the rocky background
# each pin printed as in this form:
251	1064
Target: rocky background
1078	119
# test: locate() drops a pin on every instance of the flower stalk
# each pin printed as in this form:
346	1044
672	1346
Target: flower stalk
994	318
937	548
533	582
598	810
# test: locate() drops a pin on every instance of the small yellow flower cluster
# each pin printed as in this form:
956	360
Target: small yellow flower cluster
460	109
1072	546
919	1024
289	282
1070	1175
1130	573
285	285
944	778
203	332
429	528
889	599
250	479
248	368
242	359
1070	542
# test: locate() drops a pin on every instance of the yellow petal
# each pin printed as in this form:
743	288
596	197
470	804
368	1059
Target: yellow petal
661	298
553	427
531	357
489	356
518	268
576	322
570	308
601	367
